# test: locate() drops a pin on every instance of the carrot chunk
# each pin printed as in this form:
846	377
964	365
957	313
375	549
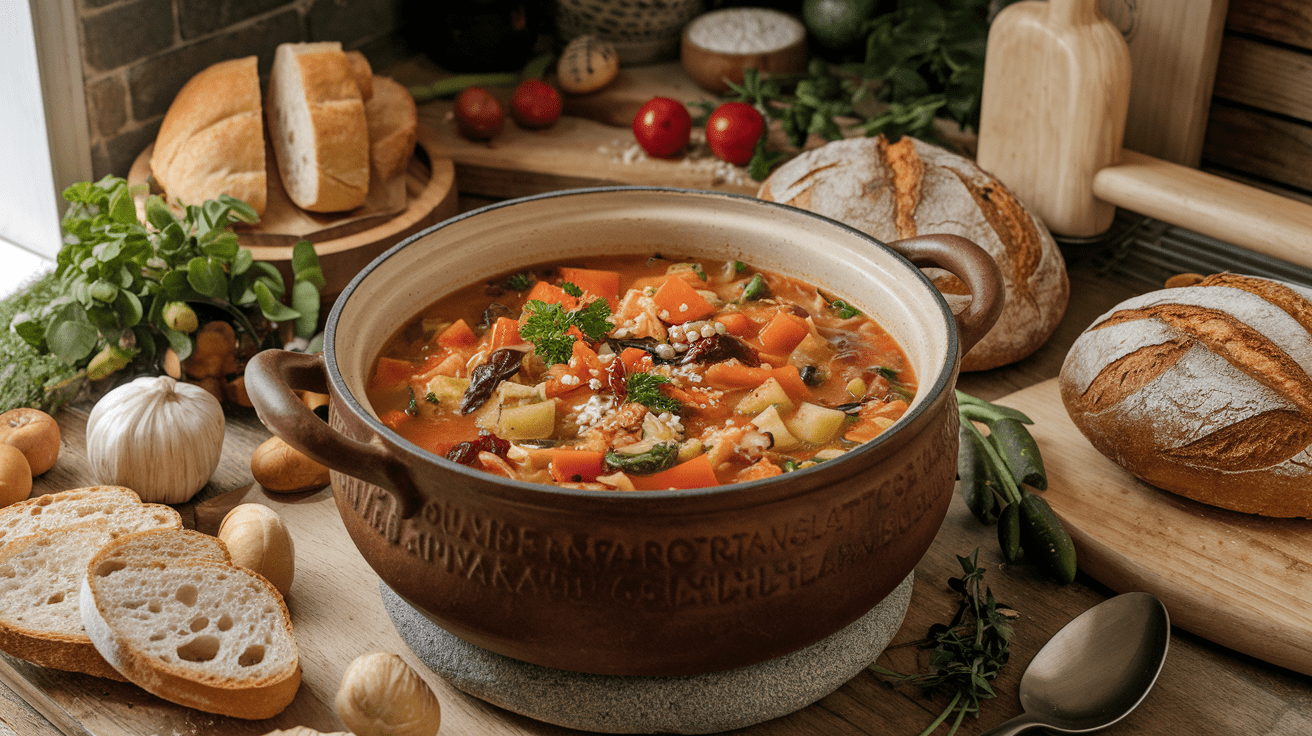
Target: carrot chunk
391	374
602	283
457	335
576	466
551	294
695	473
783	333
736	323
505	332
680	303
633	360
762	468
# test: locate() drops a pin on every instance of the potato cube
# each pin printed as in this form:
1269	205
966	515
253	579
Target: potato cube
816	424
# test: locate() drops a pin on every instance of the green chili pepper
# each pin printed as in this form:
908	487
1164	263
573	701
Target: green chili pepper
1019	451
1009	532
979	483
1044	539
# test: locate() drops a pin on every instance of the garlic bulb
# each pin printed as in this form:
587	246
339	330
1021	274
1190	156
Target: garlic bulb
159	437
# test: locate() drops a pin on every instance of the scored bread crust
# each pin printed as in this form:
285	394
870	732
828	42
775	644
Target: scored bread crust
1204	391
117	609
211	141
393	125
317	124
39	619
893	191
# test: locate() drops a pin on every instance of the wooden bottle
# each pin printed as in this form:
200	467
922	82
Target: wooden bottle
1056	93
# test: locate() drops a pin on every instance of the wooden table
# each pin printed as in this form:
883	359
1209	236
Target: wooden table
1204	688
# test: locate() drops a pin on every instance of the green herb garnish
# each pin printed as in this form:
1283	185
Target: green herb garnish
660	456
519	282
571	289
547	325
968	652
645	389
844	310
128	285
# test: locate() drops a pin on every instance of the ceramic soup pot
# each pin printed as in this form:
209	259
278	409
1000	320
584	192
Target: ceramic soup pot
639	583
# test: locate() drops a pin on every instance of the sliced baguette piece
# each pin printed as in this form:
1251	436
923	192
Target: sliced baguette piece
40	577
201	633
393	125
317	125
54	510
212	139
362	72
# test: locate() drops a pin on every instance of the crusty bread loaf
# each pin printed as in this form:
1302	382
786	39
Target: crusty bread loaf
362	72
393	122
54	510
212	139
40	576
900	190
1205	391
317	125
204	634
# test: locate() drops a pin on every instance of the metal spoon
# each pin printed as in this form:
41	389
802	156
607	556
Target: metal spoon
1095	670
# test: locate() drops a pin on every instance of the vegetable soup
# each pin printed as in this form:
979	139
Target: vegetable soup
633	373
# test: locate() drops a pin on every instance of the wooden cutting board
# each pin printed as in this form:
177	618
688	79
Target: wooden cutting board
1239	580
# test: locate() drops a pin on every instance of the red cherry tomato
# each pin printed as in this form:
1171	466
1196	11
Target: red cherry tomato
535	104
662	126
732	132
478	114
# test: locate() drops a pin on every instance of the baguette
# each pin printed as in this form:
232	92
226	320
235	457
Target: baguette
211	141
202	633
317	124
899	190
1204	391
55	510
393	124
40	576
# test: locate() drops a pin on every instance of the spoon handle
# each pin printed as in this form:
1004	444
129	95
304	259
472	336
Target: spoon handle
1022	722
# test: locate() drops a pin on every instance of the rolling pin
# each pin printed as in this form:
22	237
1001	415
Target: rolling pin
1052	123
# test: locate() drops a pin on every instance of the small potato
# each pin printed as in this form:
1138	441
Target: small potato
15	476
35	434
281	468
259	541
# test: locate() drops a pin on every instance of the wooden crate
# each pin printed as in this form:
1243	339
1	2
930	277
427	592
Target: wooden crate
1260	124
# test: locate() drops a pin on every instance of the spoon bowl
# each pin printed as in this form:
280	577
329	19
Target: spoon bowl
1096	670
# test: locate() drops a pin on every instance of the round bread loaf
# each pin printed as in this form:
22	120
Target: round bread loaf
1204	391
899	190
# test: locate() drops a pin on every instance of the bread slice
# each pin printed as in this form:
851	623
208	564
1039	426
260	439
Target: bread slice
393	122
204	634
362	72
40	578
212	139
55	510
317	125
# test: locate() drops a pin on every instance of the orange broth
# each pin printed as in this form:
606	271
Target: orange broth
687	382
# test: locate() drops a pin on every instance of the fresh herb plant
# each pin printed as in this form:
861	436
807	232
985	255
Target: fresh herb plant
127	285
924	60
968	652
547	326
645	389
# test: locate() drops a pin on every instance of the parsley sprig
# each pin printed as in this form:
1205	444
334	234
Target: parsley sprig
645	389
968	652
547	326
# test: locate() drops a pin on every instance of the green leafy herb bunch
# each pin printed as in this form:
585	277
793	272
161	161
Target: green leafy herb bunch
131	290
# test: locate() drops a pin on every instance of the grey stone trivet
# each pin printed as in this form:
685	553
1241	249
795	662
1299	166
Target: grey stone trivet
695	704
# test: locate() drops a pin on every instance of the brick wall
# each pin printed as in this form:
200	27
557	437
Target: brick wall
136	54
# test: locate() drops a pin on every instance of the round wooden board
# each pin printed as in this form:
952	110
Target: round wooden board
344	250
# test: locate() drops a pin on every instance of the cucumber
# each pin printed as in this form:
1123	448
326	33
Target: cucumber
1044	539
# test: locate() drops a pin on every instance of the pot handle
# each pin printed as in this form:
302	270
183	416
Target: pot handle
974	266
272	376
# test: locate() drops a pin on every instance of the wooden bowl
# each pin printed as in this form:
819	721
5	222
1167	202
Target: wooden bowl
345	241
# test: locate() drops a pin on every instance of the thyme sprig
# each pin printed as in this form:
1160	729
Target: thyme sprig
968	652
